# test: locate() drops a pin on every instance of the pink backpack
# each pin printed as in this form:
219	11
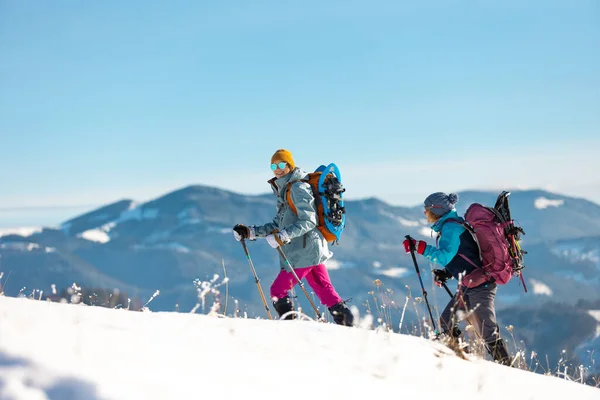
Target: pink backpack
497	239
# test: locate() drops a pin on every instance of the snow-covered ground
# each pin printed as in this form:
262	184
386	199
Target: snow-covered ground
64	351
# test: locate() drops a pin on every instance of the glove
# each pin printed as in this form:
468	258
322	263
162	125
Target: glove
440	276
243	232
419	245
278	239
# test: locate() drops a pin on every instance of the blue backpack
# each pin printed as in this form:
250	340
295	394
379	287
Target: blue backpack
328	191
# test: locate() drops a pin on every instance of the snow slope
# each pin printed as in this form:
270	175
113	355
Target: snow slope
64	351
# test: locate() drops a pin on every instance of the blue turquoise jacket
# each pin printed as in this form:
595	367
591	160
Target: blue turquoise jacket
455	243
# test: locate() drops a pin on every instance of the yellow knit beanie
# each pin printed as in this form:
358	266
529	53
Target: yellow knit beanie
283	155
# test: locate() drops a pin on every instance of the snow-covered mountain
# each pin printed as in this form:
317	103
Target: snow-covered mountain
75	352
167	243
186	234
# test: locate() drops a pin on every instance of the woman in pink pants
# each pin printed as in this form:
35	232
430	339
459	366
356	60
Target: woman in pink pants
317	278
297	234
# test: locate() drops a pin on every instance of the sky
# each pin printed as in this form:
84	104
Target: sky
66	351
101	101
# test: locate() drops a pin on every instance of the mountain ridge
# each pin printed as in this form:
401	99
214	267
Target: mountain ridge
207	188
170	242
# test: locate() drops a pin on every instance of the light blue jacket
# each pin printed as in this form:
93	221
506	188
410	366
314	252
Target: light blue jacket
307	246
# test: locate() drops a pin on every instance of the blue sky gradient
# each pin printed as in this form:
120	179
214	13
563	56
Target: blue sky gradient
107	100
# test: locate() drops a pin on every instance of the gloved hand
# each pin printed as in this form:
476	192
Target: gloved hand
419	245
278	239
440	276
243	232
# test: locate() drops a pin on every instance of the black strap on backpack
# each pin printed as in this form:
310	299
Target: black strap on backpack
461	221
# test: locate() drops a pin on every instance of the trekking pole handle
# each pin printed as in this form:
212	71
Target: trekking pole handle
410	241
412	253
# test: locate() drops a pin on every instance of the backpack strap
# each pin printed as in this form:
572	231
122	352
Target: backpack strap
288	196
469	229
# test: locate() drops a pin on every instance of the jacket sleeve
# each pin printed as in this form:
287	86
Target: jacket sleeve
447	246
266	229
302	197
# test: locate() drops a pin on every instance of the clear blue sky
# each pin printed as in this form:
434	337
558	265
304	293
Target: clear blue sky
132	99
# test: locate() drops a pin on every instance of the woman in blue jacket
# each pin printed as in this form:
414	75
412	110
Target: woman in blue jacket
458	255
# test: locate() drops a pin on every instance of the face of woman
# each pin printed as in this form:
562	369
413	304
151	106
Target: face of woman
277	169
431	217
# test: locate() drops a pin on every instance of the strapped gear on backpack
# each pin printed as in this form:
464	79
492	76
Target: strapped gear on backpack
513	233
497	238
327	189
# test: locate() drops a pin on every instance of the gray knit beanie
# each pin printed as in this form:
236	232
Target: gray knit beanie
440	203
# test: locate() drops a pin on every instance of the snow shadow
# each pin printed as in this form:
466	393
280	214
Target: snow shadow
22	379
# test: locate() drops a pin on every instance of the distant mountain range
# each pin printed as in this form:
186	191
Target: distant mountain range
167	243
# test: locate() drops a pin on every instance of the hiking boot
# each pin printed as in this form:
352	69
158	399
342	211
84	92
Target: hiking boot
283	306
455	332
342	314
449	335
499	352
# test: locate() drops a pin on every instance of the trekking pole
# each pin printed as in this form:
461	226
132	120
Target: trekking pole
447	290
282	254
262	295
412	253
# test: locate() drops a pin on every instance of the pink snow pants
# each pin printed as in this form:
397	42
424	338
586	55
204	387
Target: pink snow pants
316	276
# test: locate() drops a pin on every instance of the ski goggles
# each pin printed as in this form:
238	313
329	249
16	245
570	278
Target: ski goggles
280	165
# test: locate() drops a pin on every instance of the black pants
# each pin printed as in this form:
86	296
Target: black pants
479	301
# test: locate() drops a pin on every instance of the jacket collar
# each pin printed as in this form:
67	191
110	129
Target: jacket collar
278	184
437	226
